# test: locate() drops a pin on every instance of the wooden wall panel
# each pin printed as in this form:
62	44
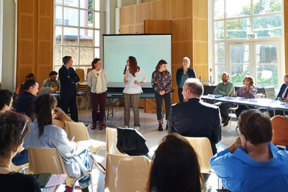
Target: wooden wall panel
286	33
143	12
181	9
157	26
139	28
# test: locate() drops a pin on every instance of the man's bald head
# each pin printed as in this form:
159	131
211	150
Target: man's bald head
192	88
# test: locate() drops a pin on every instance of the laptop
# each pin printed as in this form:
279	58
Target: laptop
44	90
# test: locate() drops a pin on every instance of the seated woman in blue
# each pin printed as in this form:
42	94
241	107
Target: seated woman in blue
45	135
252	163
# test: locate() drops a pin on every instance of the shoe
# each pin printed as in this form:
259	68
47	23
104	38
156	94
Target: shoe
125	126
166	127
93	126
137	128
222	120
101	126
226	121
160	128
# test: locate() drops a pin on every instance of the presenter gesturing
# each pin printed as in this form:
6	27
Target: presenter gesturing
162	84
132	90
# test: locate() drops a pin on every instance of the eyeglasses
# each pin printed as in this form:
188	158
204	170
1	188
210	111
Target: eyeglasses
26	119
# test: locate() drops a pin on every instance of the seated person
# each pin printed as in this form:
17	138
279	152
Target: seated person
6	100
279	126
44	134
225	88
175	167
247	91
26	102
29	76
194	118
252	163
52	82
13	129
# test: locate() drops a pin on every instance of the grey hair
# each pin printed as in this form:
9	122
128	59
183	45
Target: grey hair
195	86
286	75
187	59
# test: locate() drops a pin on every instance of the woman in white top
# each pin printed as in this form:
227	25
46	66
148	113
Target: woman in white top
132	91
97	80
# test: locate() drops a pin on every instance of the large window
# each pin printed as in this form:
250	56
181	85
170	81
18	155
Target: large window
234	52
77	32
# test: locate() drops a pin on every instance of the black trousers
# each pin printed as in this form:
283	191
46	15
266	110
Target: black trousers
159	103
181	98
242	108
224	109
70	102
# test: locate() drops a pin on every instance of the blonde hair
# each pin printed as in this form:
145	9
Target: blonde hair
250	79
187	59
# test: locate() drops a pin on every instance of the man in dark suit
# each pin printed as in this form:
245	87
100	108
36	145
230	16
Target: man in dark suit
68	78
194	118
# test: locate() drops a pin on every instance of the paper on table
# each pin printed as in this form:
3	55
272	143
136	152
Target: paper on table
56	180
49	189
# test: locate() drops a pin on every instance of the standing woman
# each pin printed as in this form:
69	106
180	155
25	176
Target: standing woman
132	91
97	80
247	91
182	74
162	84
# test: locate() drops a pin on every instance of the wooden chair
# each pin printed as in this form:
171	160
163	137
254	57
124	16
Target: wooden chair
202	147
126	173
81	87
80	73
19	168
111	142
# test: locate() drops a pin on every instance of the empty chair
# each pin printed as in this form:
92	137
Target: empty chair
202	147
126	173
111	142
80	73
79	131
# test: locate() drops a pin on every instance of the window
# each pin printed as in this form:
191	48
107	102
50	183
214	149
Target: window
77	32
235	53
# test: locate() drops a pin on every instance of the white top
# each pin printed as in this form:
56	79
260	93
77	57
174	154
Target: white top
131	87
92	81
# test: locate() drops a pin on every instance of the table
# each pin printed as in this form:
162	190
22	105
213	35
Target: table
58	94
257	102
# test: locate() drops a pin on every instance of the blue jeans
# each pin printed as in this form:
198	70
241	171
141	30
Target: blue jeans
85	181
21	158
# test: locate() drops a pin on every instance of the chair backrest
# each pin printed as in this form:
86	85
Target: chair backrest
79	130
80	73
126	173
18	168
88	70
202	147
111	142
45	160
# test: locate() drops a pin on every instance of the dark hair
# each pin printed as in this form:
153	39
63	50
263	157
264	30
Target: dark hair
161	62
195	86
30	76
94	62
133	66
53	73
255	126
66	59
11	127
175	167
43	106
29	83
5	97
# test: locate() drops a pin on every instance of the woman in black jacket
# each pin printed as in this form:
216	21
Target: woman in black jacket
182	74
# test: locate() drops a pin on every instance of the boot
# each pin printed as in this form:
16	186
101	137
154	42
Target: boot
160	128
93	126
101	126
226	121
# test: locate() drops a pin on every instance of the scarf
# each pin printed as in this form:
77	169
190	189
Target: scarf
98	79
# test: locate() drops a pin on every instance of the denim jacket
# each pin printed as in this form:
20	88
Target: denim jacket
56	137
179	74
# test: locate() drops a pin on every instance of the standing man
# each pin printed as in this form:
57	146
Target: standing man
52	82
68	78
225	88
194	118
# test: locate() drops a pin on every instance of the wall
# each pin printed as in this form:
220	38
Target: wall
286	33
9	48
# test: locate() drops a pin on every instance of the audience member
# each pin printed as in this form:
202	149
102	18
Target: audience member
175	167
182	74
98	80
247	91
26	101
162	84
52	82
68	78
252	163
225	88
279	126
13	129
282	96
45	135
194	118
19	90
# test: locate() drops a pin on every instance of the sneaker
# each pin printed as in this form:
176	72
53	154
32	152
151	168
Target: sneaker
160	128
137	128
226	121
125	126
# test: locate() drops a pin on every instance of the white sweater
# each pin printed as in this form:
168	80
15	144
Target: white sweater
131	87
92	81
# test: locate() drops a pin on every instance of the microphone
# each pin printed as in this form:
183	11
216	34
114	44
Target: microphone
125	70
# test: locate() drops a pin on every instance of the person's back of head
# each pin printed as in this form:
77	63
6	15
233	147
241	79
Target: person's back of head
6	98
255	126
175	167
43	110
30	76
192	88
